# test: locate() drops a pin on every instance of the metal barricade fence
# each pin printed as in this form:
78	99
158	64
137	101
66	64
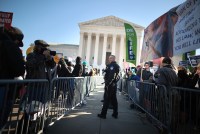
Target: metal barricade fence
66	94
150	98
124	83
184	110
28	106
90	84
23	105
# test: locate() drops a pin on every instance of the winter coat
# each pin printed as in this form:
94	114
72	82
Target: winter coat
166	76
38	67
11	60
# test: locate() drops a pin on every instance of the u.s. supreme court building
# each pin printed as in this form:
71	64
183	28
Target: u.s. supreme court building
99	38
102	37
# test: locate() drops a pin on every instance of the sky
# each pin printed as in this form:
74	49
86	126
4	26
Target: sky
56	21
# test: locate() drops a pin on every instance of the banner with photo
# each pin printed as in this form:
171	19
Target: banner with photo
187	28
131	44
158	37
5	19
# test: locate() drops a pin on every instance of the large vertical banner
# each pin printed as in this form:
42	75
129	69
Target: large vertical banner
158	37
131	44
187	28
5	19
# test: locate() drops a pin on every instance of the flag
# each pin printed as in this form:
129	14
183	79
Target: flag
131	44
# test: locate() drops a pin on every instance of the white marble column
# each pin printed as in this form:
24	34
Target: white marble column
88	48
80	52
121	53
96	49
114	44
104	50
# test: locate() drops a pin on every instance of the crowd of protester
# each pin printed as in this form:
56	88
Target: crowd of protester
40	64
167	74
182	86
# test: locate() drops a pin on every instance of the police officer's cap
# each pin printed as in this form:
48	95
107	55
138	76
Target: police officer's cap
41	43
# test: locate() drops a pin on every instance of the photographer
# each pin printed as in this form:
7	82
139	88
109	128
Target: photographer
39	65
40	62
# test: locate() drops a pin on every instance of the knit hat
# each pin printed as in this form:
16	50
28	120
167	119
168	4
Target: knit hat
167	60
15	34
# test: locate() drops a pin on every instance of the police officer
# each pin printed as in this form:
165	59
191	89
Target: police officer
111	78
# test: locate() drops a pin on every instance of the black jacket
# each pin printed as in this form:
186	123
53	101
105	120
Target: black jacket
11	59
166	76
78	70
112	72
38	67
185	81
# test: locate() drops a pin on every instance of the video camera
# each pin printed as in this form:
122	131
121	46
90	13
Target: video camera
52	53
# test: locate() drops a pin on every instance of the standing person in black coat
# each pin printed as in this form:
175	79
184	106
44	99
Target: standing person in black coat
147	76
166	75
63	70
111	78
11	65
78	69
11	60
40	62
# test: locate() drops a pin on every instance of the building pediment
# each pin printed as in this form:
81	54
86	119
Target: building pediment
108	21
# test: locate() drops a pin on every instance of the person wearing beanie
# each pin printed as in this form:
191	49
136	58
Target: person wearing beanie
166	75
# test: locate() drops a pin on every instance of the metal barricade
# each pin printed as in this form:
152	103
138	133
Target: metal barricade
184	110
151	99
29	106
124	86
23	105
66	94
90	84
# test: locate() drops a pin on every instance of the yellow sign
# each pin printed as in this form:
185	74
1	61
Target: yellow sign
29	50
56	58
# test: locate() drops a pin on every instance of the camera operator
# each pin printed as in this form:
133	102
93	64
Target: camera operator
39	65
40	62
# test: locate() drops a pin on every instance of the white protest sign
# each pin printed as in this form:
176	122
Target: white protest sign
187	28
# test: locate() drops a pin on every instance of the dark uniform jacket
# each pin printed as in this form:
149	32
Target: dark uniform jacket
112	72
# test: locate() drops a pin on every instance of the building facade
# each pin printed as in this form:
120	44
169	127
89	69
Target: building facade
102	37
69	51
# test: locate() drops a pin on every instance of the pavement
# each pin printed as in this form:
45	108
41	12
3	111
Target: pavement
84	120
